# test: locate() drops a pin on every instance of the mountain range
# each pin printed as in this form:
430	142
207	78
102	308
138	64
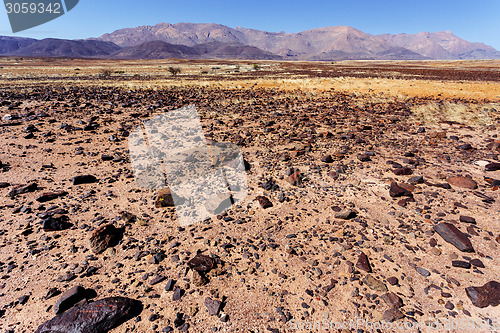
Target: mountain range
211	41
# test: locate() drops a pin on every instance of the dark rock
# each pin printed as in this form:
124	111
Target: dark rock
201	263
103	237
467	219
4	185
477	263
364	158
392	280
56	222
392	315
396	191
169	286
157	279
403	171
264	201
44	197
164	198
422	271
489	294
178	292
69	298
492	167
363	263
461	264
21	189
454	236
84	179
416	180
52	292
66	277
99	316
213	306
327	159
392	300
466	146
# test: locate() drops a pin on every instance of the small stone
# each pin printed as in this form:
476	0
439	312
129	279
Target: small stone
169	286
199	279
157	279
48	196
477	263
84	179
264	201
422	271
364	158
467	219
363	263
345	214
295	177
396	191
492	167
454	236
392	300
56	222
416	180
22	189
393	281
488	294
462	182
104	237
403	171
461	264
177	294
213	306
327	159
374	284
69	298
164	198
201	263
392	315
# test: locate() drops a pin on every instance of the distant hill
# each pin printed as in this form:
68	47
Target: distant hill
52	47
12	44
210	41
213	50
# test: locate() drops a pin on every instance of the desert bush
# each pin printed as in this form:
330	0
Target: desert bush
174	70
106	72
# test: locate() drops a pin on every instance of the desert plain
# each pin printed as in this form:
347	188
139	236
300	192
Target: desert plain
373	197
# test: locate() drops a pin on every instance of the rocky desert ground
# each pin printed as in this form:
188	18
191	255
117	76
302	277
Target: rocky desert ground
373	198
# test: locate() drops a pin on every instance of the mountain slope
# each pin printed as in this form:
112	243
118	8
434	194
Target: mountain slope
212	50
329	43
12	44
52	47
442	45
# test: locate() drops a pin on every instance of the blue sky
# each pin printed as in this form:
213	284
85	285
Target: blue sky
477	21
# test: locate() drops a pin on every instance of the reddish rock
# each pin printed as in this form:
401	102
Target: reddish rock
104	237
164	198
489	294
462	182
396	191
363	263
405	171
392	300
264	201
48	196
